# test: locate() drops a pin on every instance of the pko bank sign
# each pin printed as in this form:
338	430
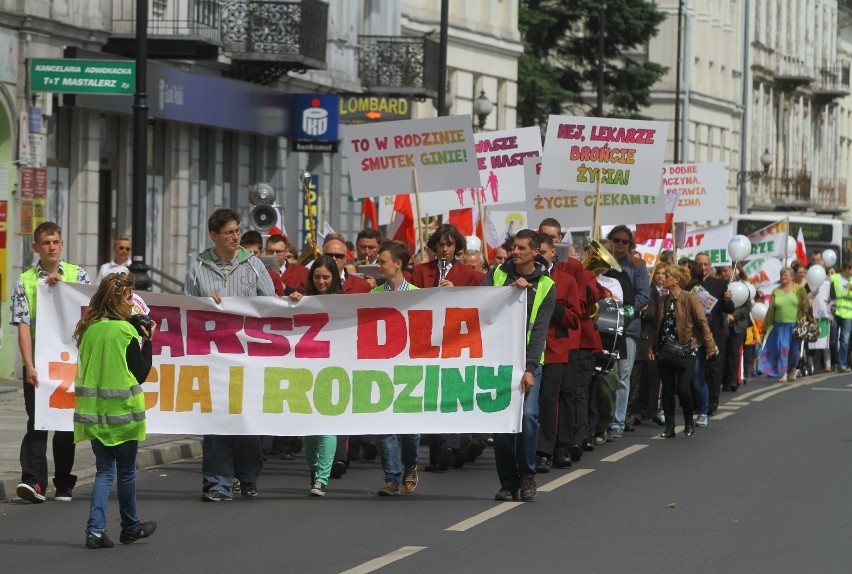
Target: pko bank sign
314	122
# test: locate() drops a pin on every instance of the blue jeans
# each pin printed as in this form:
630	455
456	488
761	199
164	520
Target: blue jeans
700	392
515	453
226	457
107	460
389	447
622	392
844	330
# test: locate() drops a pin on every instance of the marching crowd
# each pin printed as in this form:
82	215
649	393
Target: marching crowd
610	345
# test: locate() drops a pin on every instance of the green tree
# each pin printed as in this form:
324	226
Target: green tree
557	72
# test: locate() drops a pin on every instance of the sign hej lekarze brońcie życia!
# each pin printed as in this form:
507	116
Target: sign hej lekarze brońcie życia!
357	364
83	76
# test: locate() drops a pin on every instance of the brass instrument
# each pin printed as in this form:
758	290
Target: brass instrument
443	270
598	260
310	252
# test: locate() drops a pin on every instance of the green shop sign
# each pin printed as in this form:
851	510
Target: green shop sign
83	76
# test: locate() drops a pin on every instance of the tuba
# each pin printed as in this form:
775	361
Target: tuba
598	260
309	253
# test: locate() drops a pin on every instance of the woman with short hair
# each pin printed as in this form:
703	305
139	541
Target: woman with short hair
780	354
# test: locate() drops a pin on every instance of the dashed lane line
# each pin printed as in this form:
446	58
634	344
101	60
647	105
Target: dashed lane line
742	397
384	560
478	519
616	456
737	403
722	416
730	407
831	389
779	390
562	481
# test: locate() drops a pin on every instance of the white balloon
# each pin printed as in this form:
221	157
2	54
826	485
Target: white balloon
474	243
815	277
829	257
758	312
752	291
739	293
791	245
739	247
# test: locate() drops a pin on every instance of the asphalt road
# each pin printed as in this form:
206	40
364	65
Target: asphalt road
762	489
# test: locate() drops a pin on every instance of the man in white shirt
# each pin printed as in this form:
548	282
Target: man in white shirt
121	251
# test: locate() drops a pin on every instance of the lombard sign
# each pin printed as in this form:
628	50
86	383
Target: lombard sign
314	122
182	96
366	108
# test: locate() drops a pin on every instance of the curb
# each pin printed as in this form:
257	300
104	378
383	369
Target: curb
164	453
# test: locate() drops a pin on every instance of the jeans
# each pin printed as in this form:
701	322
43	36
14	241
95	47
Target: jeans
389	447
230	456
319	452
622	392
515	453
107	460
700	392
844	330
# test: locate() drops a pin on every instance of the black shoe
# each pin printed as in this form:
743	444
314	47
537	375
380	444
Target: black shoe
561	460
668	433
338	469
528	488
63	494
459	459
542	464
629	428
576	452
446	459
215	496
144	530
434	467
587	445
689	429
474	450
371	451
31	491
248	490
506	495
99	540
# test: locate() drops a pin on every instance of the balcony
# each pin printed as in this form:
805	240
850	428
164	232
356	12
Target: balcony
266	39
397	65
833	84
177	29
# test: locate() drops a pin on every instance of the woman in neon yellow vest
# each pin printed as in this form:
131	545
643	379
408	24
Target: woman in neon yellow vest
113	361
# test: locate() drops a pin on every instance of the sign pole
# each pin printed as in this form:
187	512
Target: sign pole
419	221
596	231
481	209
674	242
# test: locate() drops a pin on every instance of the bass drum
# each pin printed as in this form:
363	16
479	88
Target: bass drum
610	325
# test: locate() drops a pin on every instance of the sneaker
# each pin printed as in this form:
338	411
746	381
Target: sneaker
249	490
410	478
843	369
31	491
542	464
600	438
338	469
506	495
144	530
317	489
615	433
215	496
528	488
660	418
63	494
611	437
702	421
389	489
587	445
95	540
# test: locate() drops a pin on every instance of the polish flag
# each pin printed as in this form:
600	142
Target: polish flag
492	236
801	250
647	231
402	222
462	219
371	216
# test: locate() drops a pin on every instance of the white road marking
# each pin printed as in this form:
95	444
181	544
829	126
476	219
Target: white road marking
787	387
615	457
478	519
830	389
678	429
737	403
562	481
383	561
743	396
721	416
730	407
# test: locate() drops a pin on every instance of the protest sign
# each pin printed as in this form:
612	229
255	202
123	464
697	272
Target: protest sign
771	241
701	190
500	158
710	240
574	209
382	157
626	156
402	362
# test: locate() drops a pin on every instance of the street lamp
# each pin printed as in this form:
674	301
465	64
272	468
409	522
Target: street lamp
765	161
482	107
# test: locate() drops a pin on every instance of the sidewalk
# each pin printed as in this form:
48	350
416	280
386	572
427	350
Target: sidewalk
157	448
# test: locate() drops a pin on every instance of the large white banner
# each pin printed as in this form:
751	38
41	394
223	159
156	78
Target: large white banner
574	209
625	155
701	190
711	240
383	157
337	364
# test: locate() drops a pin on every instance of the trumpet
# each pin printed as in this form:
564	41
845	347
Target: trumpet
443	270
598	260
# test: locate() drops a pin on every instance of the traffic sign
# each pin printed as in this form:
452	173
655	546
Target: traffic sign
83	76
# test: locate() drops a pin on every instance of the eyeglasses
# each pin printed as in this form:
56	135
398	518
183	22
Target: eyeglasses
276	252
337	255
620	241
122	248
231	233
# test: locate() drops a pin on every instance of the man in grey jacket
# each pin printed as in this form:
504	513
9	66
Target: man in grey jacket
228	270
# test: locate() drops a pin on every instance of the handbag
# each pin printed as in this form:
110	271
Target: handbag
806	329
676	355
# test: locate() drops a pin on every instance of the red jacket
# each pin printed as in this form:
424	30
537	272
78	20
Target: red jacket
294	277
563	333
426	275
355	284
276	282
590	293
